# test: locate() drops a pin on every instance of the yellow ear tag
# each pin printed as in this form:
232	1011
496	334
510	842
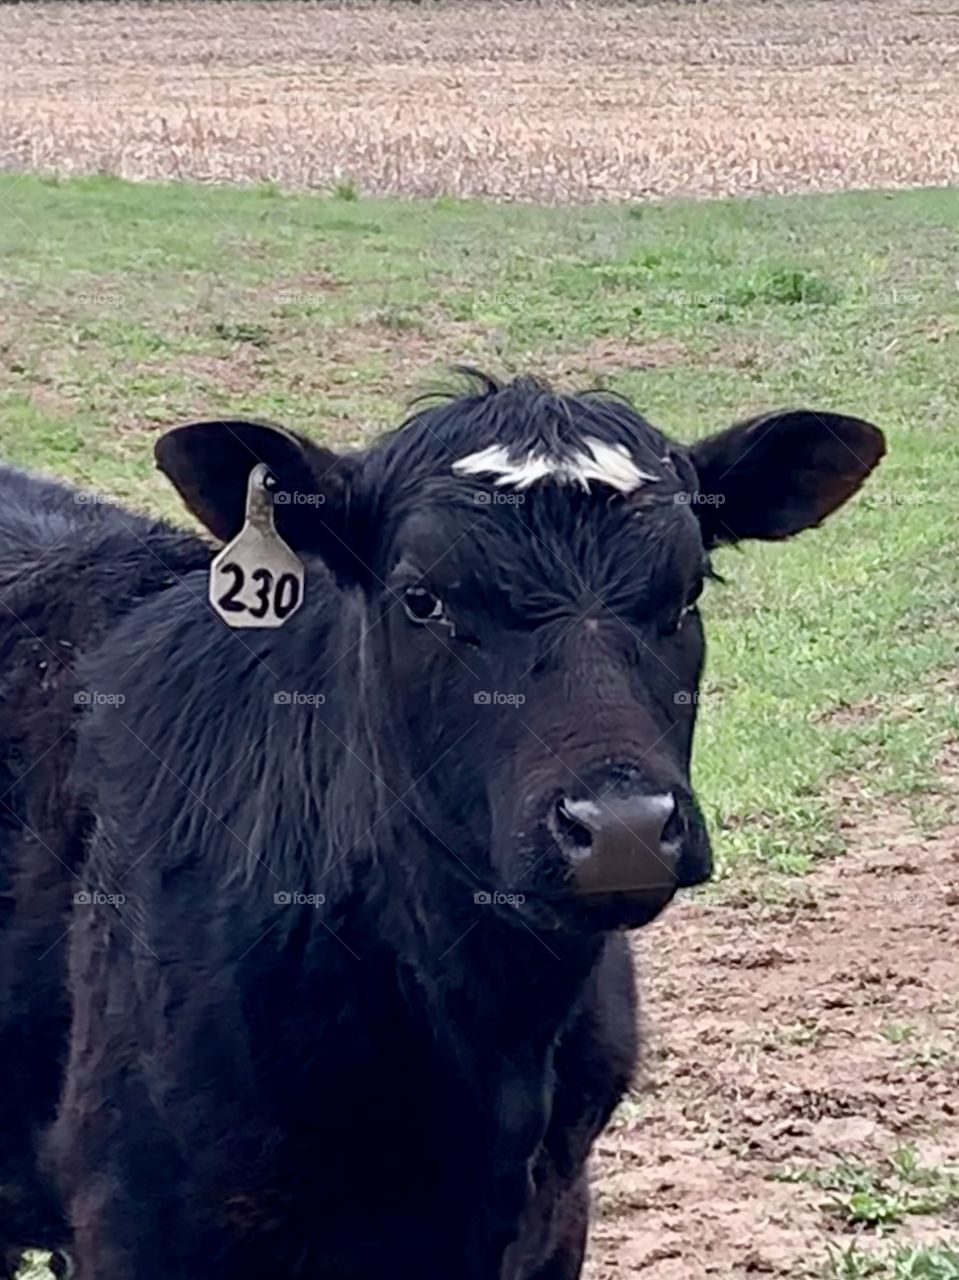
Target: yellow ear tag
256	580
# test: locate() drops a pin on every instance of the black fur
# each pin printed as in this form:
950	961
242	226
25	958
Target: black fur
69	566
401	1074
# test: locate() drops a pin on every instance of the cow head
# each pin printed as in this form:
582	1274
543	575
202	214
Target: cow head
520	574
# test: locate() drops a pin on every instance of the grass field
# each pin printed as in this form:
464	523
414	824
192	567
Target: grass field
128	308
803	1017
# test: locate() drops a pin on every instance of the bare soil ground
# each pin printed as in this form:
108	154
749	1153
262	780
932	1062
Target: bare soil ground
549	101
803	1033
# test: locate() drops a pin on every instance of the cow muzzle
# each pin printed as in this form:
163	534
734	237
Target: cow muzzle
618	845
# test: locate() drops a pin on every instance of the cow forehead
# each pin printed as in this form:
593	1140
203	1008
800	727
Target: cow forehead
593	461
554	539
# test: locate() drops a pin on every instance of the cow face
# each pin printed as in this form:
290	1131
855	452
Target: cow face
524	571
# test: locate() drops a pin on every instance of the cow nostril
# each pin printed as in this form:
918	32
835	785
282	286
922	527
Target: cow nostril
573	836
675	827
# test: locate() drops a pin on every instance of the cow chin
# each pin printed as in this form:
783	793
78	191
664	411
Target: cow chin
572	912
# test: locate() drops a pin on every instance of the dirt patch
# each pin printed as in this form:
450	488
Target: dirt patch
792	1036
897	706
402	357
549	101
610	356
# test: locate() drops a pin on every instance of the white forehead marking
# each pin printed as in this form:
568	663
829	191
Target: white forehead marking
609	464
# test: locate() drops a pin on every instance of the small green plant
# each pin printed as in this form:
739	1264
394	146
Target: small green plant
911	1262
898	1032
790	286
941	1262
928	1055
629	1110
870	1207
865	1196
345	190
851	1263
254	334
397	319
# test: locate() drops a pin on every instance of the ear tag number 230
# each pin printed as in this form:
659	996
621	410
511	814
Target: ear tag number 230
256	580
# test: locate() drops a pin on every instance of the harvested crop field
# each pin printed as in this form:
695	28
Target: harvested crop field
547	102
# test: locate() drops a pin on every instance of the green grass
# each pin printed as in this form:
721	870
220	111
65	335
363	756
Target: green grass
911	1262
899	1032
128	307
866	1196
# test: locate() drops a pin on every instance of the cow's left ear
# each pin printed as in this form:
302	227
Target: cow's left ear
209	464
773	476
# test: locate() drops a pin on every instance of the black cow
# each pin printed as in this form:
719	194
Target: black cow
350	992
70	565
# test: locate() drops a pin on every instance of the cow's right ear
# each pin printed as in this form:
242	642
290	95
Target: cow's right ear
209	464
778	474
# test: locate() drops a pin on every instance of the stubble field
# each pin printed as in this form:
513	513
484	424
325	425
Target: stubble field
545	102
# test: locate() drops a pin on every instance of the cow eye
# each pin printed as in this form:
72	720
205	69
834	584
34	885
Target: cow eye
422	605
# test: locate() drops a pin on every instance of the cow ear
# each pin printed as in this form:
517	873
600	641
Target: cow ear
209	464
773	476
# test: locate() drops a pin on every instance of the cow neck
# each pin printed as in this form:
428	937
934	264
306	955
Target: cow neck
486	964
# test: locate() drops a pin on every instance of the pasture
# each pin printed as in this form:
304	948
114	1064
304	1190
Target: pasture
830	711
797	1115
